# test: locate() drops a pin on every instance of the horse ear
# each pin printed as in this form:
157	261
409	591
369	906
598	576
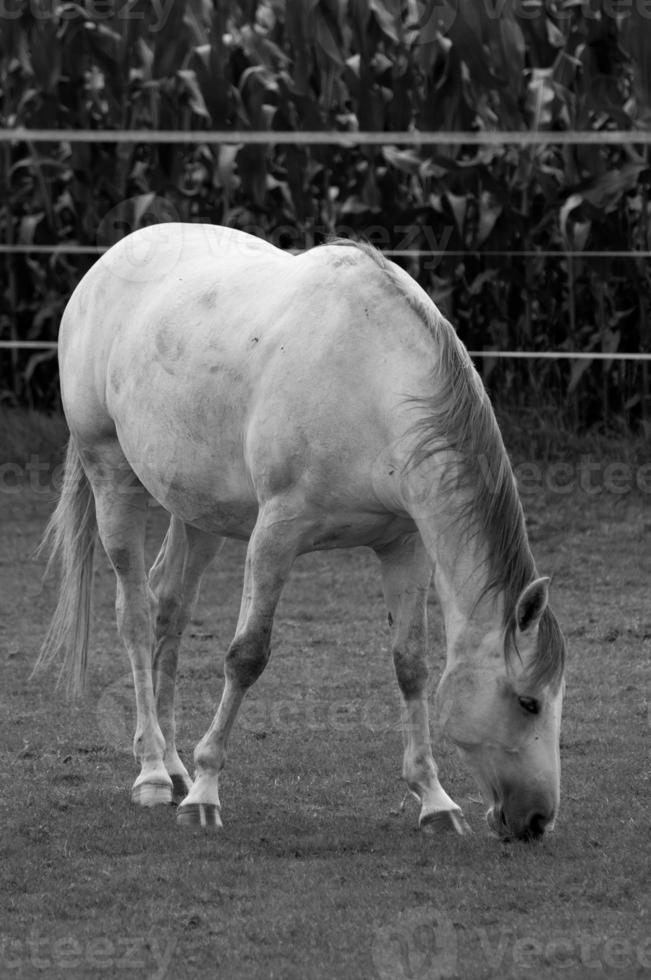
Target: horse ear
532	604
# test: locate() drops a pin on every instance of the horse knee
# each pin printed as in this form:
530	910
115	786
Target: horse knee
411	671
121	559
246	659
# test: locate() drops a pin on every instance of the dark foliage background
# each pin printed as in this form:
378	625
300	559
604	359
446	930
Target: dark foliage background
384	65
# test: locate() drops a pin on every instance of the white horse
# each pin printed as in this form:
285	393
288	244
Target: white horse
300	403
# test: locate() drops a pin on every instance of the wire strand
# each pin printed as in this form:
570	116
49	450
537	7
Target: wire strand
533	355
70	249
333	137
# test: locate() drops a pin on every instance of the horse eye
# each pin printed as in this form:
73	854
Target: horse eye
530	705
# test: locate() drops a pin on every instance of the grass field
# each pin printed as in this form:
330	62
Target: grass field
318	874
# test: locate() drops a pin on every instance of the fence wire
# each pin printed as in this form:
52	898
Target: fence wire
347	138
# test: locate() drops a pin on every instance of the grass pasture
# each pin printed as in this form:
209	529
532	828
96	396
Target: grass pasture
318	874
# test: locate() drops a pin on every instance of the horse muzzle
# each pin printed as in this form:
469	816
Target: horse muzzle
528	825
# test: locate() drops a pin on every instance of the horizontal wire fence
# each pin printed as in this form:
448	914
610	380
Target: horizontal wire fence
403	253
547	355
601	137
534	138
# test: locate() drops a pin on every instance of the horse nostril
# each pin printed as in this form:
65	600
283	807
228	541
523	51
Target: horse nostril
536	824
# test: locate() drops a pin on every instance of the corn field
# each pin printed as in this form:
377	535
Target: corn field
347	65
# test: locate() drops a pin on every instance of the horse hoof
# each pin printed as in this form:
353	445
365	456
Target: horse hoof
207	816
440	821
152	794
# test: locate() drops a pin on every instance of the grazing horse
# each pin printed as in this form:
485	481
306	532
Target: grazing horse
300	403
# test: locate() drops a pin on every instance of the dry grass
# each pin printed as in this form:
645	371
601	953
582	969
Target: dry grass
544	433
317	874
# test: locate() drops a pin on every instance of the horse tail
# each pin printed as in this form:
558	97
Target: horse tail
70	539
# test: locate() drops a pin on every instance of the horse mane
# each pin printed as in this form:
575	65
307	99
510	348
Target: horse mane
458	416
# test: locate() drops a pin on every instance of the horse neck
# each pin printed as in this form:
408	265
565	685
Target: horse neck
461	578
460	546
470	614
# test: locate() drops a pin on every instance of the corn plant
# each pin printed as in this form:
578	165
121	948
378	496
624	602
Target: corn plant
385	65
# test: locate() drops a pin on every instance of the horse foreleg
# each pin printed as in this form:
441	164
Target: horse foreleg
174	582
406	576
270	555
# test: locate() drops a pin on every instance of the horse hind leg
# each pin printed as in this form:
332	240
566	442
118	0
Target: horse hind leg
121	505
174	582
406	576
270	555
